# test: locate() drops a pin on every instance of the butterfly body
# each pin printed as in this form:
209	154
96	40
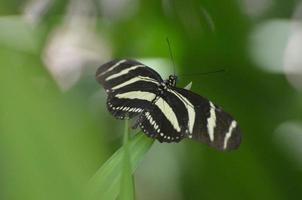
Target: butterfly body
165	112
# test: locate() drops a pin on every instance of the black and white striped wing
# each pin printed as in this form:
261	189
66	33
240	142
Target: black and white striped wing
119	75
166	119
208	123
130	85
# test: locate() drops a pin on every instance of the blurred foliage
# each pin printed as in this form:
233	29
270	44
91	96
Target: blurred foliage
52	141
113	176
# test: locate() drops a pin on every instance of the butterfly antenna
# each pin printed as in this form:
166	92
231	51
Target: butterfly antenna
205	73
171	55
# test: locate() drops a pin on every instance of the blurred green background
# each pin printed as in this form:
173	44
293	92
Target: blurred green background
55	131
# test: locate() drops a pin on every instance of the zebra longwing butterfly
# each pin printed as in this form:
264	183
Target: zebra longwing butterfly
164	111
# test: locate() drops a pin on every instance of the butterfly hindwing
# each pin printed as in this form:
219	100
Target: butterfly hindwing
166	120
129	104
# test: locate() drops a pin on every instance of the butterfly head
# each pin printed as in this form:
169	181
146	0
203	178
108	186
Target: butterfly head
172	80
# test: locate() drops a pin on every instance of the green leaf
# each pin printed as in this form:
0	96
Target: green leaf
105	184
127	183
118	169
188	87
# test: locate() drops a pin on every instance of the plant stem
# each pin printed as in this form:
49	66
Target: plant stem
127	183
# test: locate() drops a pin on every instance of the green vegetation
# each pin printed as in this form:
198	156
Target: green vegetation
57	140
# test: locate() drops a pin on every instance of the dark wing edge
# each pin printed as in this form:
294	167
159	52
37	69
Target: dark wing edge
212	125
155	125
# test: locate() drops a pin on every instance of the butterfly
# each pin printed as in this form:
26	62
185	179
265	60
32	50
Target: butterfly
162	110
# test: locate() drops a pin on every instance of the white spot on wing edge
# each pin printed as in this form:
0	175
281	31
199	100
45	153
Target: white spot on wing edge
229	134
211	121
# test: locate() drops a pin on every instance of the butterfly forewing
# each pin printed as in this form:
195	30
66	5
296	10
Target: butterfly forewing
117	74
131	86
212	125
